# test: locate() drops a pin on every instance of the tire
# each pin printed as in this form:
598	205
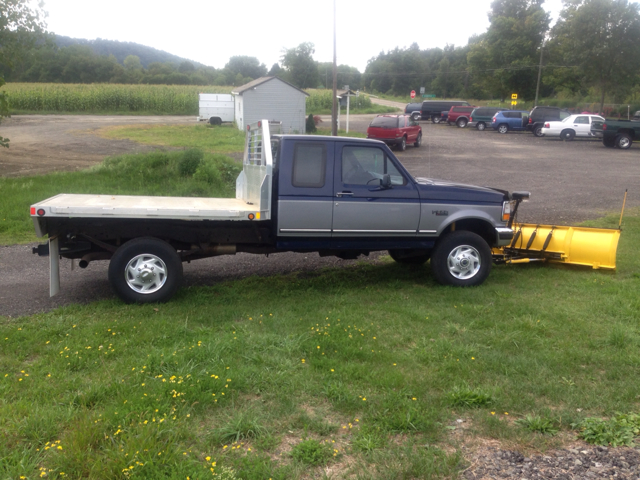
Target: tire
435	119
410	257
609	142
461	259
624	141
415	117
567	135
462	122
215	121
151	258
418	141
481	126
503	128
537	131
402	146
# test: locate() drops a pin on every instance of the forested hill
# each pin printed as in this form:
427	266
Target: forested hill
121	50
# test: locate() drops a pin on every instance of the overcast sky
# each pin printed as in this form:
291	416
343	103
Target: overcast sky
212	31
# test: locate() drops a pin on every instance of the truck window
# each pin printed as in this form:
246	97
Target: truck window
361	165
309	165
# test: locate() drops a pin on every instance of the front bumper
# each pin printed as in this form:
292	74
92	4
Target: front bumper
504	236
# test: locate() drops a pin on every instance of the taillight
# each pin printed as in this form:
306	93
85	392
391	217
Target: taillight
546	125
493	120
604	127
530	120
470	118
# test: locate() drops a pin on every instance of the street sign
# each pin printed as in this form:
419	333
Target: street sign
413	94
428	95
513	102
514	96
421	90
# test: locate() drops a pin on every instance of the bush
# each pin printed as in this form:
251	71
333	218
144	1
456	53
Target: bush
190	161
311	124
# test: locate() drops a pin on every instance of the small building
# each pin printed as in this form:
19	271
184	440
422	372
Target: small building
272	99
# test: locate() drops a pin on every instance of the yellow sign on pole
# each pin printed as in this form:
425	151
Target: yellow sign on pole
513	102
514	96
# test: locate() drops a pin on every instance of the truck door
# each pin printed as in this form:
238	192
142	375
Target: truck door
362	207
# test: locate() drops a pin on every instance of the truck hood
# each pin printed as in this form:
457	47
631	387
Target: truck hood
434	189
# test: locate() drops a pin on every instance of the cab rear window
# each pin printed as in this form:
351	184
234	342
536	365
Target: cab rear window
385	122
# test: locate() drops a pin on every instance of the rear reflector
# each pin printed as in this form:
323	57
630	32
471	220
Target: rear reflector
32	211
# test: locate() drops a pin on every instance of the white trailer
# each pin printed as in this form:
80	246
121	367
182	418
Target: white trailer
216	108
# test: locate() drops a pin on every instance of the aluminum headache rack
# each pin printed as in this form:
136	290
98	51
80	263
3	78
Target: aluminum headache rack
253	185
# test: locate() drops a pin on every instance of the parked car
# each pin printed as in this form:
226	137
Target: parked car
444	116
460	115
508	120
481	117
395	130
413	109
571	127
432	109
540	115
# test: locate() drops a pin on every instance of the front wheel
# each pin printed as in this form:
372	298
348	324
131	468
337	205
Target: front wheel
145	270
623	141
418	141
462	122
461	259
481	126
503	128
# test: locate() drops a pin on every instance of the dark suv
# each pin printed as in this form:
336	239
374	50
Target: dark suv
413	109
539	115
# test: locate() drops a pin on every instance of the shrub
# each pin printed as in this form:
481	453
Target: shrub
190	161
311	124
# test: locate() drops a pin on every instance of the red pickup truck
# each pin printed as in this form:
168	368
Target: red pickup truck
460	115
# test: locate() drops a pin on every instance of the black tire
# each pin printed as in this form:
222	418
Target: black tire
503	128
609	142
402	146
537	131
415	117
215	121
462	122
436	119
418	141
410	257
461	259
567	135
155	260
481	126
624	141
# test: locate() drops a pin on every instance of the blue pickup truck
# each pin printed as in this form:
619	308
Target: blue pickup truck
332	195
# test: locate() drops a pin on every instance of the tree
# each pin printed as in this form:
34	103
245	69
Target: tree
301	68
247	67
602	38
18	21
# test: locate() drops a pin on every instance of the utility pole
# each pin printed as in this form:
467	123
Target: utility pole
334	108
535	102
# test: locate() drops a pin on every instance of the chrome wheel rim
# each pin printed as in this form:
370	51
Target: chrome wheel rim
624	142
145	273
464	262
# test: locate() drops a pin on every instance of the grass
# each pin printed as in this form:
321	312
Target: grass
374	361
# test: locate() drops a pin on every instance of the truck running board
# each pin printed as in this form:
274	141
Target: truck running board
592	247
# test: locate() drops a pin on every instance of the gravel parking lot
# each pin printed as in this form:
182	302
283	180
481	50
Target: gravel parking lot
569	182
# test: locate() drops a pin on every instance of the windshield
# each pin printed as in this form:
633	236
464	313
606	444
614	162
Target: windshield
385	122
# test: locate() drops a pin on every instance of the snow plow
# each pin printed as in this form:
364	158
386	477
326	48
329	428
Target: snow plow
586	246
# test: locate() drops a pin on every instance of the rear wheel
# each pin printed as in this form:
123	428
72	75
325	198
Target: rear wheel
537	131
461	259
436	119
623	141
215	121
481	126
503	128
402	146
145	270
567	135
462	122
418	141
410	257
415	117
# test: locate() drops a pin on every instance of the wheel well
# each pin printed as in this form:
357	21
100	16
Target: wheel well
627	131
475	225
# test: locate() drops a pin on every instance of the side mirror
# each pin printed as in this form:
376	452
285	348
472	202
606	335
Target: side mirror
386	181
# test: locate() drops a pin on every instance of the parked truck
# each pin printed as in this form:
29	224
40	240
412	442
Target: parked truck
617	133
296	193
216	108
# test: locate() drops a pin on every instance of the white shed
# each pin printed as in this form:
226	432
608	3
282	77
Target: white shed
272	99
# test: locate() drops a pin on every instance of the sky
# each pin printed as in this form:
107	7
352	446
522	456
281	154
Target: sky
212	31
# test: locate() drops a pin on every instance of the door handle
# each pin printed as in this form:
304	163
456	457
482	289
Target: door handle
344	194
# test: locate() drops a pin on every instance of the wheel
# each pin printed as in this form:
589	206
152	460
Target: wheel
623	141
435	119
410	257
481	126
402	146
215	121
462	122
609	142
567	135
418	141
145	270
415	117
503	128
537	131
461	259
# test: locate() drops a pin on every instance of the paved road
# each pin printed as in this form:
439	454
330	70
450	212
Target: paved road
569	181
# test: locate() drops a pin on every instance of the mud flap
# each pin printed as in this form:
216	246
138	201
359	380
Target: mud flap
54	267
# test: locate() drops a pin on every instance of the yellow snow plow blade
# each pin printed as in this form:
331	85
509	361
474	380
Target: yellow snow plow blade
593	247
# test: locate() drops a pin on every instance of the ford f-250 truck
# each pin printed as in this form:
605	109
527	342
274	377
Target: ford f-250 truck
332	195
